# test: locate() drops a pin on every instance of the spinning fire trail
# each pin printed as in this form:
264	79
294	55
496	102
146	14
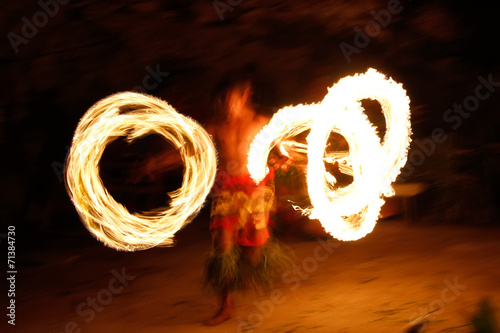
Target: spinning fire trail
347	213
109	220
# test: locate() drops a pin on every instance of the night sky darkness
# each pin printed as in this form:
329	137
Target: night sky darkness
82	51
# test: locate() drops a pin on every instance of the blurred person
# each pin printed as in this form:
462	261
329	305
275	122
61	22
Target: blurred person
241	256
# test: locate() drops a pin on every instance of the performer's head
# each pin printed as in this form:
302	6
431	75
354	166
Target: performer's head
232	97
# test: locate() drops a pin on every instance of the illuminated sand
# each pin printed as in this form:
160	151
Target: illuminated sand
373	285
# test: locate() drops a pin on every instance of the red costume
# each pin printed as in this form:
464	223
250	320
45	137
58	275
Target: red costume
243	207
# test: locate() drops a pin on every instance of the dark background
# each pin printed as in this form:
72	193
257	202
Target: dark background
90	49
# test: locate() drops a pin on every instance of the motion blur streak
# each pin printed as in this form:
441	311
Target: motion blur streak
133	115
351	212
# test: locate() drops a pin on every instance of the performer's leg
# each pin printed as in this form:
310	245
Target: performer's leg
222	240
252	254
222	243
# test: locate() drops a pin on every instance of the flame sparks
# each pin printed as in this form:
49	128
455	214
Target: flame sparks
347	213
133	115
351	212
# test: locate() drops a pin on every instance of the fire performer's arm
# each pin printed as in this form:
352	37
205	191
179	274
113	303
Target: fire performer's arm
155	165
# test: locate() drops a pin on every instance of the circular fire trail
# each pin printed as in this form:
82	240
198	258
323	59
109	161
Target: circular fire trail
351	212
133	115
347	213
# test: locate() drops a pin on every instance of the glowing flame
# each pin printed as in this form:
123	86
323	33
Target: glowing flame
351	212
347	213
133	115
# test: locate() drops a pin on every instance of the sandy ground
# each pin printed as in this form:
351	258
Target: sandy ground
376	284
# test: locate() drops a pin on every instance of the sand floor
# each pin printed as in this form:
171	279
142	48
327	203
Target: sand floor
376	284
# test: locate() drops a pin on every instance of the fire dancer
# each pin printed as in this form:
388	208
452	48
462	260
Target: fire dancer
241	253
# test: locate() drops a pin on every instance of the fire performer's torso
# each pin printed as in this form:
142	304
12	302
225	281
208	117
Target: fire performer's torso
233	138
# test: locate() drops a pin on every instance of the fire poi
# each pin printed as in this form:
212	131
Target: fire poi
347	213
351	212
133	115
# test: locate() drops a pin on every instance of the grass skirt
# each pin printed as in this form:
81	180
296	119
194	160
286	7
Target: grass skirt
228	272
